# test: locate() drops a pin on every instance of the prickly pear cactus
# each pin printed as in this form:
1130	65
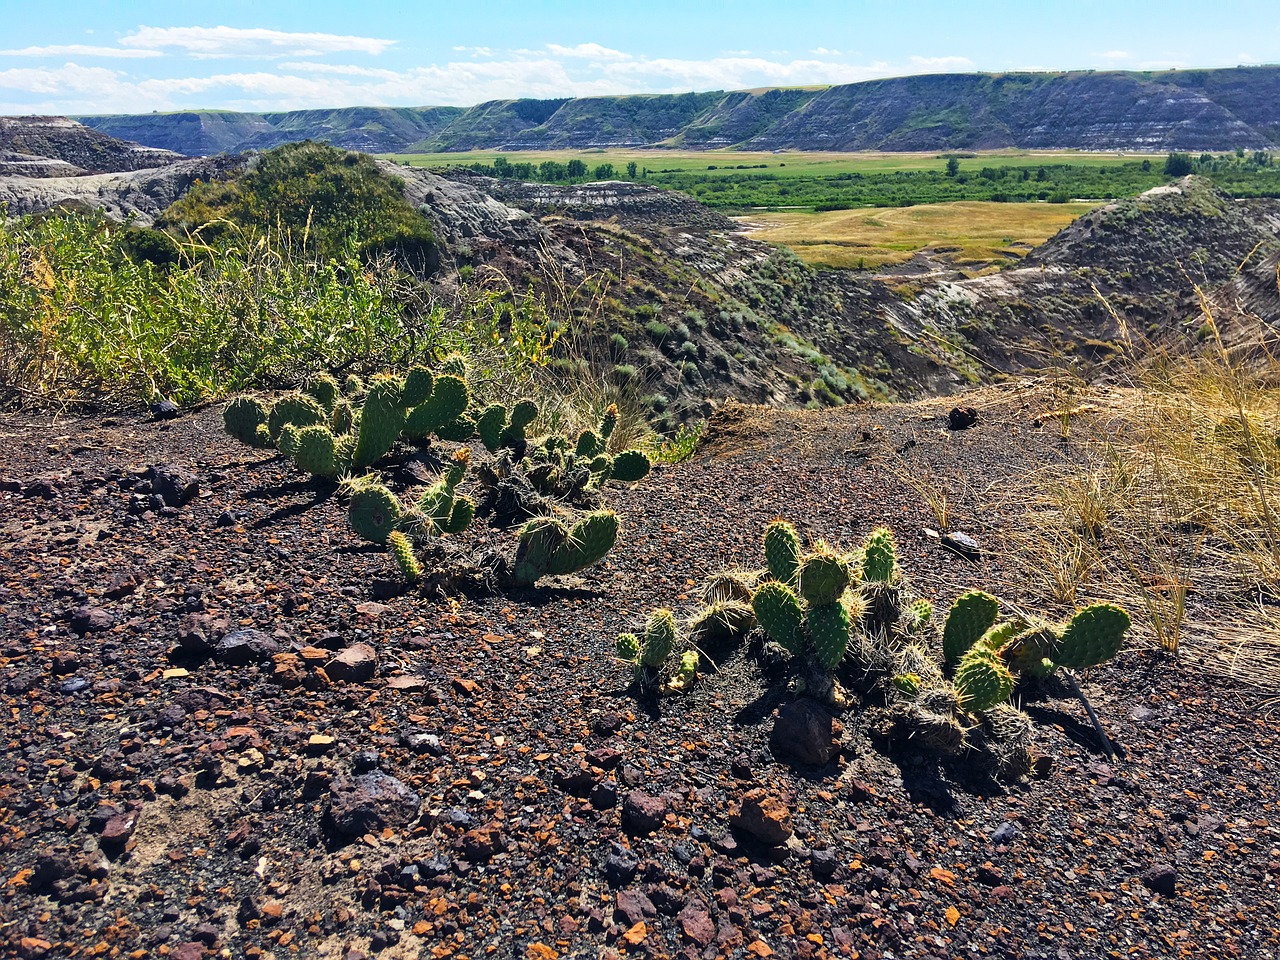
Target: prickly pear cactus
969	618
538	541
374	512
522	415
454	365
490	425
824	576
448	401
627	647
245	418
686	673
729	585
589	445
459	430
588	541
315	451
917	616
418	383
630	466
402	552
782	551
880	557
296	408
343	419
828	628
1026	650
723	622
608	422
780	615
982	680
1094	635
352	386
288	441
325	390
660	638
380	421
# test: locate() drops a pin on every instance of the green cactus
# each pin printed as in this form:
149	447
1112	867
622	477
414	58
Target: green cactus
245	418
343	419
685	674
631	466
353	386
660	638
522	415
608	422
374	512
418	384
381	418
295	408
325	390
937	731
880	557
969	618
288	441
459	430
447	403
828	628
730	585
602	467
547	546
913	659
627	647
824	576
490	426
315	451
982	680
918	615
454	365
439	509
1094	635
460	516
723	622
780	615
589	445
907	684
782	551
402	551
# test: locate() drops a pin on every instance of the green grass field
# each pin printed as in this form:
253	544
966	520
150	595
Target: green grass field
786	164
973	234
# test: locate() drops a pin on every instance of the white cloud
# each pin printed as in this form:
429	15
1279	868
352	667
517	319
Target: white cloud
587	51
80	50
340	69
214	42
1116	56
824	52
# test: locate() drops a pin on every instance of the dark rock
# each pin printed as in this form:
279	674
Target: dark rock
824	864
199	632
120	828
242	647
164	410
577	781
483	843
763	816
961	418
806	732
43	489
421	742
604	795
1006	832
632	906
962	544
642	813
176	486
88	619
366	761
226	519
620	869
370	803
356	664
1162	878
696	924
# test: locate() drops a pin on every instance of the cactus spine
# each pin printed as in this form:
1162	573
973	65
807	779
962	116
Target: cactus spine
828	625
982	680
374	512
297	409
447	402
402	551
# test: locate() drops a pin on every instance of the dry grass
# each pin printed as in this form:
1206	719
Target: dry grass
1171	504
969	232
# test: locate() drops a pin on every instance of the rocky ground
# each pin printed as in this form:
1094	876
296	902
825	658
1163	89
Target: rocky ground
227	736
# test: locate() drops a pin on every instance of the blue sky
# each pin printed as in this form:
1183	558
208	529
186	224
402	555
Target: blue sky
93	57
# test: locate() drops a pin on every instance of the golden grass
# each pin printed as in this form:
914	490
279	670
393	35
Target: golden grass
968	232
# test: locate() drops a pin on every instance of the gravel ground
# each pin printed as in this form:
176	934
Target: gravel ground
180	779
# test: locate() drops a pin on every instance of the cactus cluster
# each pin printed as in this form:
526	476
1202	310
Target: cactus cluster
565	468
658	664
548	546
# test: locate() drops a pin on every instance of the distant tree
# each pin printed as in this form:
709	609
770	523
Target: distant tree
1146	166
1177	165
1240	152
631	170
501	166
576	169
1261	159
953	166
551	172
604	171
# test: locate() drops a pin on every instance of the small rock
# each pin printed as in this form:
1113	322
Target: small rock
73	685
176	486
420	742
620	869
164	410
242	647
1162	878
483	843
696	924
89	619
763	816
356	664
1006	832
961	418
199	632
642	813
226	519
632	906
824	864
962	544
806	732
577	781
370	803
120	828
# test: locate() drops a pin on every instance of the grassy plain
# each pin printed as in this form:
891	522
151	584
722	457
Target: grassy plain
969	232
797	164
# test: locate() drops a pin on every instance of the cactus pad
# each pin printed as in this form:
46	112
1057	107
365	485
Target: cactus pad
630	466
402	551
627	647
828	627
589	444
722	622
374	512
728	586
245	418
824	576
448	401
982	680
880	557
609	421
780	615
418	383
380	421
659	638
325	390
490	425
782	551
1094	636
969	618
298	409
538	540
907	684
522	415
588	541
315	451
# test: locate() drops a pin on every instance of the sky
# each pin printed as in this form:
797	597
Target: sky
93	57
